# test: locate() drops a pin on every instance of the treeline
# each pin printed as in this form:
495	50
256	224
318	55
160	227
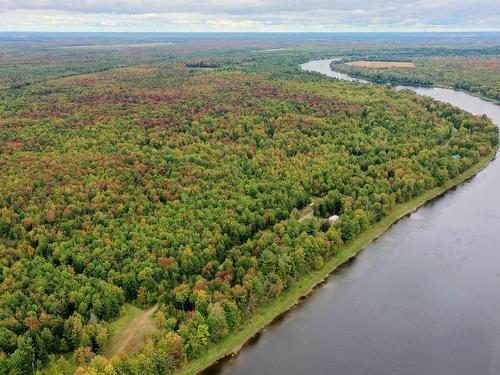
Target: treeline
160	184
478	75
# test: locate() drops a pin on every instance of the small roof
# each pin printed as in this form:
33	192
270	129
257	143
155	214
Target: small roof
333	218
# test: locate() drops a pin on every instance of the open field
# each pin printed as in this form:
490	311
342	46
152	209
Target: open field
130	331
383	64
128	334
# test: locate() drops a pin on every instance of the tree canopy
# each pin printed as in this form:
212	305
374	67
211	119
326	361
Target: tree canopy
160	183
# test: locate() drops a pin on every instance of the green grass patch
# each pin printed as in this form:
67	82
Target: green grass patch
130	313
65	364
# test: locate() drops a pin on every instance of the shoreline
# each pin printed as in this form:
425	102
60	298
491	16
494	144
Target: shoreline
480	96
440	86
265	315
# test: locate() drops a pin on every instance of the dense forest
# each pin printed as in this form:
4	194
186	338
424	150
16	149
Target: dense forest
478	75
179	182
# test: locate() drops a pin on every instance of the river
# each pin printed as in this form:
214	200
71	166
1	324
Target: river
422	299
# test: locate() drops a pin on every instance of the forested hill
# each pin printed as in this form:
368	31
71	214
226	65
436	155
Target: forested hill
164	184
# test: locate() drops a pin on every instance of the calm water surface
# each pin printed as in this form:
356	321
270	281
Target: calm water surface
422	299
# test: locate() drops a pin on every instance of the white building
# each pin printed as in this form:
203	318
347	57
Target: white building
332	219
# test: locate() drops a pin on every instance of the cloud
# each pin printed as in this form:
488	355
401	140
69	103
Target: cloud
249	15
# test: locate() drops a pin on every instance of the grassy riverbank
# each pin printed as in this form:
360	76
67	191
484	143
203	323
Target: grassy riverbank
267	313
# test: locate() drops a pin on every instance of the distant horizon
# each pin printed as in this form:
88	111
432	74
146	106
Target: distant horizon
250	16
253	31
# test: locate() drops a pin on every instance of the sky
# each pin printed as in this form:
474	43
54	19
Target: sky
249	15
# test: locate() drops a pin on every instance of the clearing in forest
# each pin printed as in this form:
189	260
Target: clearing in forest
129	333
382	64
308	211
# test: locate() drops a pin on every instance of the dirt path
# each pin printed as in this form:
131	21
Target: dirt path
131	339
